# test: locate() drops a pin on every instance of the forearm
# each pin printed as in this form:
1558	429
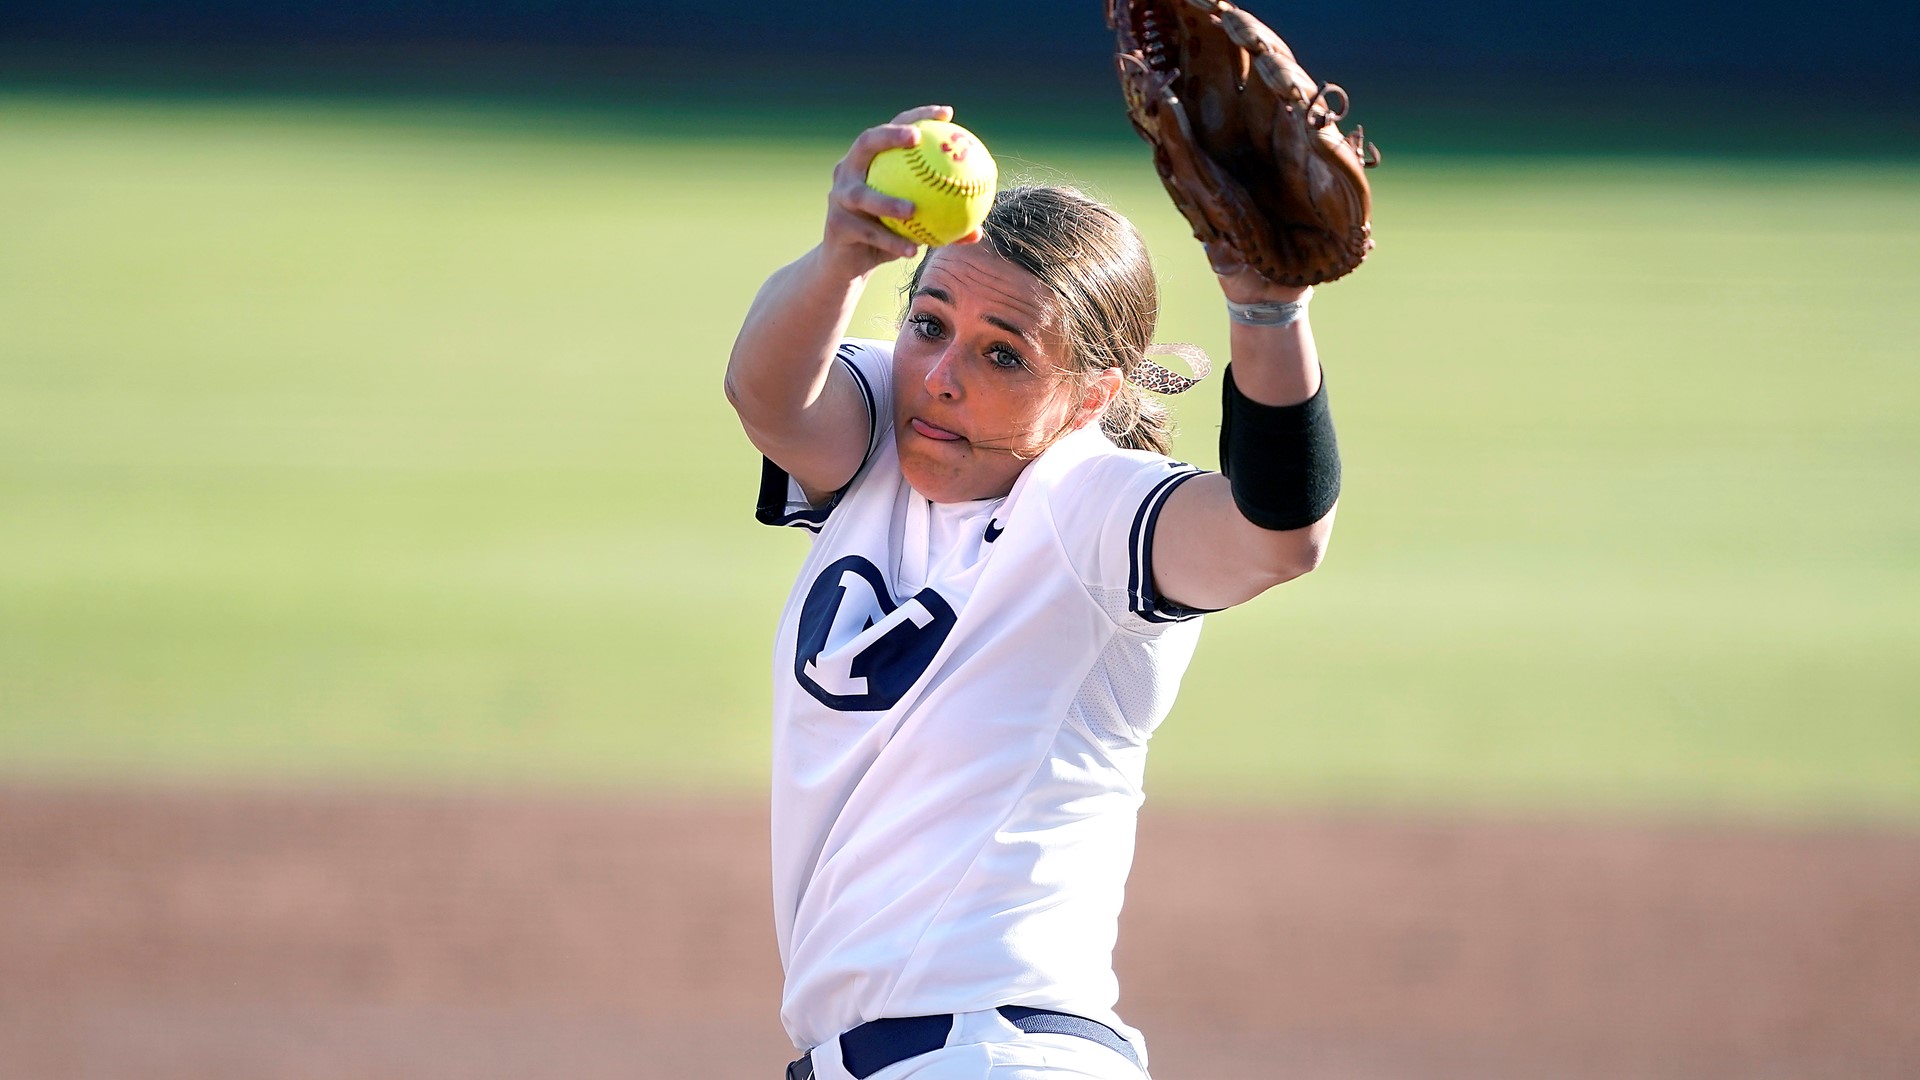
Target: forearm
781	359
780	375
1276	365
1267	517
1282	457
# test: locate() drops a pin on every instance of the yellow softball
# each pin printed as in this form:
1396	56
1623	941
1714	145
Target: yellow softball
948	178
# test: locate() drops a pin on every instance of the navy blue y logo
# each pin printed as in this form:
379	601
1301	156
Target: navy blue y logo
857	651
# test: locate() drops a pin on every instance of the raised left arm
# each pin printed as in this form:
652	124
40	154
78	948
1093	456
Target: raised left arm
1207	553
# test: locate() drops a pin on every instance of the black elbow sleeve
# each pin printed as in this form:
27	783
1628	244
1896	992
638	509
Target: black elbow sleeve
1281	461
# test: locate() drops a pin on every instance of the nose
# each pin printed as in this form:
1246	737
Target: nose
943	380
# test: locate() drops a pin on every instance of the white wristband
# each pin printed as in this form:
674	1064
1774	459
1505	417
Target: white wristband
1270	312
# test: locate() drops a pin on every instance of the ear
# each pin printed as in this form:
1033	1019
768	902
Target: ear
1100	393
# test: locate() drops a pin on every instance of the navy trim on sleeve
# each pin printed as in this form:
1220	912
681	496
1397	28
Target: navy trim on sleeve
773	507
845	355
1141	599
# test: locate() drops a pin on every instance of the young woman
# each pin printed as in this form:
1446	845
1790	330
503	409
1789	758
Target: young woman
1004	589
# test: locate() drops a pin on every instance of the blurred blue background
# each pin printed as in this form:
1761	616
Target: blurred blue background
1850	51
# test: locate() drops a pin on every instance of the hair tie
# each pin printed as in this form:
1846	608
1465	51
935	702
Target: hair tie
1148	375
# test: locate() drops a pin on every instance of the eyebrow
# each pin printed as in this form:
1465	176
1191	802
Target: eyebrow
941	295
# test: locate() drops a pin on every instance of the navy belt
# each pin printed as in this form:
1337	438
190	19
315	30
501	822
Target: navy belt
877	1044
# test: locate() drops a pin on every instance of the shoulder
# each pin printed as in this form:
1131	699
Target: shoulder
866	364
870	362
1096	474
1105	502
868	358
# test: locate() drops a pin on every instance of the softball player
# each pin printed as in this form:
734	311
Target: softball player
1003	591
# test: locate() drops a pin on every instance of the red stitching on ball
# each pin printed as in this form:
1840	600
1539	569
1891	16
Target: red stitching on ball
918	232
918	163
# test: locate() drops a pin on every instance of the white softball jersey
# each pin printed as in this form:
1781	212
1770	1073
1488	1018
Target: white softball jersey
963	695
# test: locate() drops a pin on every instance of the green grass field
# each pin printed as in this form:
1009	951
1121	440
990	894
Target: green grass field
360	442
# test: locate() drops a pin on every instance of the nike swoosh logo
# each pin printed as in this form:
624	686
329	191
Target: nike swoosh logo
993	531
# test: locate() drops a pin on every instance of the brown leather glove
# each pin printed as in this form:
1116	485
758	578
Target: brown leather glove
1246	142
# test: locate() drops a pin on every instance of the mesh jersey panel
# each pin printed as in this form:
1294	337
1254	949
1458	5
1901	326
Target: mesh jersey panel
1124	694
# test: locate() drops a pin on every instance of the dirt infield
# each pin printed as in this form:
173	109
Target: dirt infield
165	935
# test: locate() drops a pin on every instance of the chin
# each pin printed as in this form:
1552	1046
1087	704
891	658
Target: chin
938	485
943	483
953	473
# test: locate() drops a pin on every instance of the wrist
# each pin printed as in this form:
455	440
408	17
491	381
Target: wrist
827	273
1247	287
1271	312
836	263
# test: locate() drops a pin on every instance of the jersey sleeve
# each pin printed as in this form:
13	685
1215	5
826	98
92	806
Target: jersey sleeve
781	501
1107	522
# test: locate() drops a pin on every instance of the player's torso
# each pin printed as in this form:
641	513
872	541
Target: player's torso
925	775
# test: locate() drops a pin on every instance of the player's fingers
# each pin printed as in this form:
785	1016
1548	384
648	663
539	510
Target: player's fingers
873	141
891	246
865	200
850	188
925	112
849	228
851	195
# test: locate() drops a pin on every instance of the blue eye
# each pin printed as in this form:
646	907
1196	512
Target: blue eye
1005	359
925	326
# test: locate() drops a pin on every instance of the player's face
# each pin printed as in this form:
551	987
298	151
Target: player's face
980	386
